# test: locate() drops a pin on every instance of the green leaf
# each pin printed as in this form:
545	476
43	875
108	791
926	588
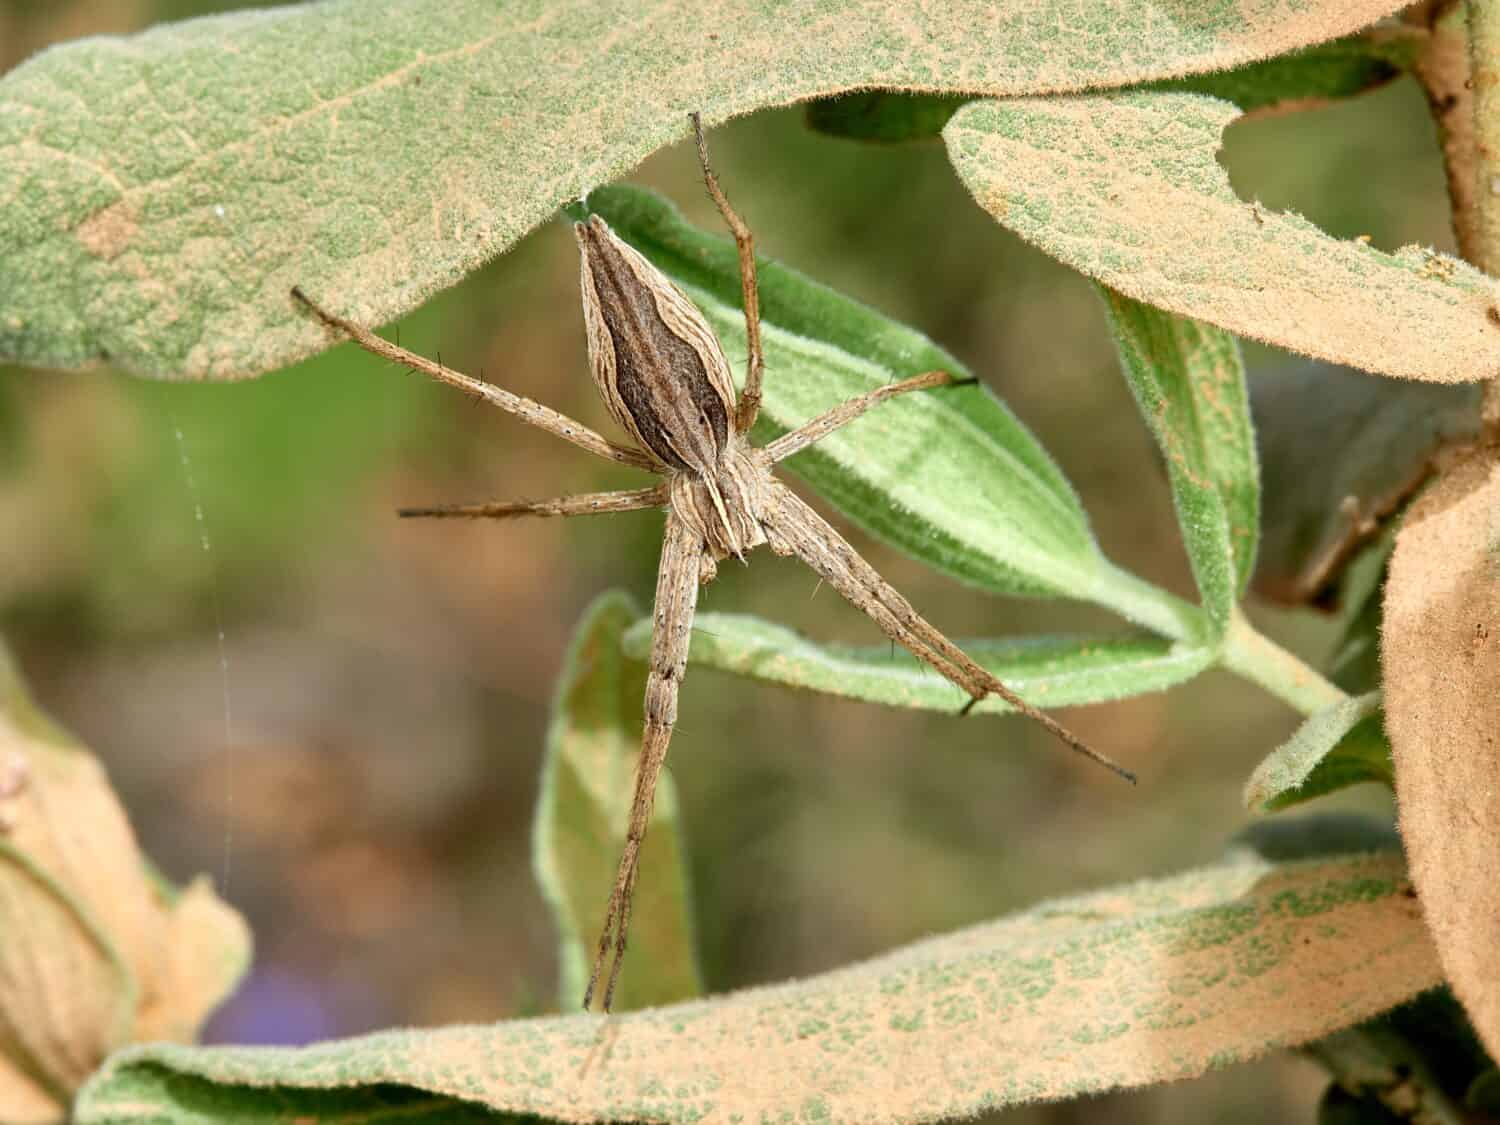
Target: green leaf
1341	745
949	476
888	116
1341	454
1126	189
164	192
1046	671
579	833
1340	69
188	1100
1355	663
1302	79
1133	985
1189	382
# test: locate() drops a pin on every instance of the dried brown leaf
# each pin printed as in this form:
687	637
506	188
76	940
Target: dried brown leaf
1126	189
1341	453
96	952
1441	666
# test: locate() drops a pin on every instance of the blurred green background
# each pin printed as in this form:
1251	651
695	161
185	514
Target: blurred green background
339	715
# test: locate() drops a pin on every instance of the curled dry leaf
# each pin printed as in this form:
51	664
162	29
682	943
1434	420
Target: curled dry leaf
97	952
1124	987
164	192
1441	664
1341	454
1126	189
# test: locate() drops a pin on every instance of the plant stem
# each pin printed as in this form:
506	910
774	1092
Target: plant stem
1484	67
1253	655
1484	80
1442	69
1245	651
1147	605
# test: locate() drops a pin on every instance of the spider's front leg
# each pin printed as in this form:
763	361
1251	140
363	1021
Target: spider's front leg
534	413
744	243
677	581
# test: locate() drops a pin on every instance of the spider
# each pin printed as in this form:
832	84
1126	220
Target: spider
664	379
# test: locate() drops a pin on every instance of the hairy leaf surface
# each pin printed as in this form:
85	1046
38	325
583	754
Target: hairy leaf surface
1308	77
1189	381
1046	671
1133	985
1125	188
1341	745
160	194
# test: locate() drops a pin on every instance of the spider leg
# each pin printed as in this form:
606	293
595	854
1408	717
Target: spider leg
792	527
585	504
845	412
543	417
676	600
755	362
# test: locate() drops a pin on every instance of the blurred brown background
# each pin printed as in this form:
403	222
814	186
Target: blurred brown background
340	716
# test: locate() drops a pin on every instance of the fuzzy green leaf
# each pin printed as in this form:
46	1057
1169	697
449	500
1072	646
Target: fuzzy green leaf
949	476
1126	189
587	784
1046	671
1341	745
1137	984
1189	381
1326	72
162	193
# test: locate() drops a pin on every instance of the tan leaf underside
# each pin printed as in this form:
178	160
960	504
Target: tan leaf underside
1136	985
1441	669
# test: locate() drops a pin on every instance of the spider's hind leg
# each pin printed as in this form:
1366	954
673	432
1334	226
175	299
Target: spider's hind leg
672	625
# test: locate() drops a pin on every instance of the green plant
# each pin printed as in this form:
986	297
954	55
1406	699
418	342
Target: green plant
114	250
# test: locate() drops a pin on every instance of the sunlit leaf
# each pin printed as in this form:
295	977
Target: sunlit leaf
587	784
1137	984
164	192
1126	189
1047	671
1440	654
1189	381
1341	745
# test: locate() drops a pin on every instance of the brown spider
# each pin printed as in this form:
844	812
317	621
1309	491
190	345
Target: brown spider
664	379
